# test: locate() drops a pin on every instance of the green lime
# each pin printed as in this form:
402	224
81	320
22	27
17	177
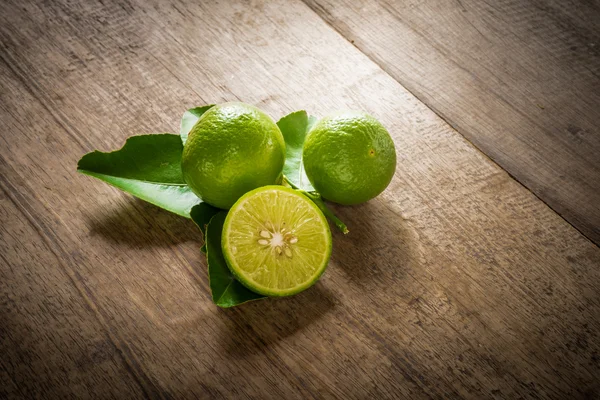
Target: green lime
276	241
232	149
349	157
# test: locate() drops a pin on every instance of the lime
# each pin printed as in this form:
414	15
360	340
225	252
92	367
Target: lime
276	241
232	149
349	157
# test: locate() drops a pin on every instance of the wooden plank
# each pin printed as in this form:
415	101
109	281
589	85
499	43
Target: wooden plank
52	345
520	80
456	282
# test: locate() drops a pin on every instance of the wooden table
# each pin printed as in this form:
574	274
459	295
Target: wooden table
469	277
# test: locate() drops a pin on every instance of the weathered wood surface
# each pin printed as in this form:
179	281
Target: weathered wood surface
457	282
519	79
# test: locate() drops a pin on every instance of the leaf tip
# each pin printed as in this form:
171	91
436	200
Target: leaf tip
303	113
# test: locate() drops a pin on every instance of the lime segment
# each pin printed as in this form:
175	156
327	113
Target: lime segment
276	241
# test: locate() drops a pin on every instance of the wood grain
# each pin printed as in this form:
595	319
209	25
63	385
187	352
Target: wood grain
520	80
456	282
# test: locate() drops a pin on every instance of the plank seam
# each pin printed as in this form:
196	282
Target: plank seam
317	10
132	365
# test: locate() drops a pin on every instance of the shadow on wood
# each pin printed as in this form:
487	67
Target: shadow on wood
250	329
374	247
141	224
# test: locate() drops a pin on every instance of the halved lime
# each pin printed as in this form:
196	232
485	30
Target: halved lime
276	241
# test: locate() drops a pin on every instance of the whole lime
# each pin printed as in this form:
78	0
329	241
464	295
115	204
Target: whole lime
349	157
232	149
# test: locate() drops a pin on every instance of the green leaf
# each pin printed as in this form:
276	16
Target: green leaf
295	127
148	167
189	119
226	291
202	214
318	200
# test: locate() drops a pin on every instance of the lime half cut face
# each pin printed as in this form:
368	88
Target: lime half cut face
276	241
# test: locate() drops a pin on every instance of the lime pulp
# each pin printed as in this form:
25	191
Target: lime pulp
276	241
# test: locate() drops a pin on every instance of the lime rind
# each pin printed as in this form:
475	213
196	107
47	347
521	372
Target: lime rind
254	241
349	157
232	149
